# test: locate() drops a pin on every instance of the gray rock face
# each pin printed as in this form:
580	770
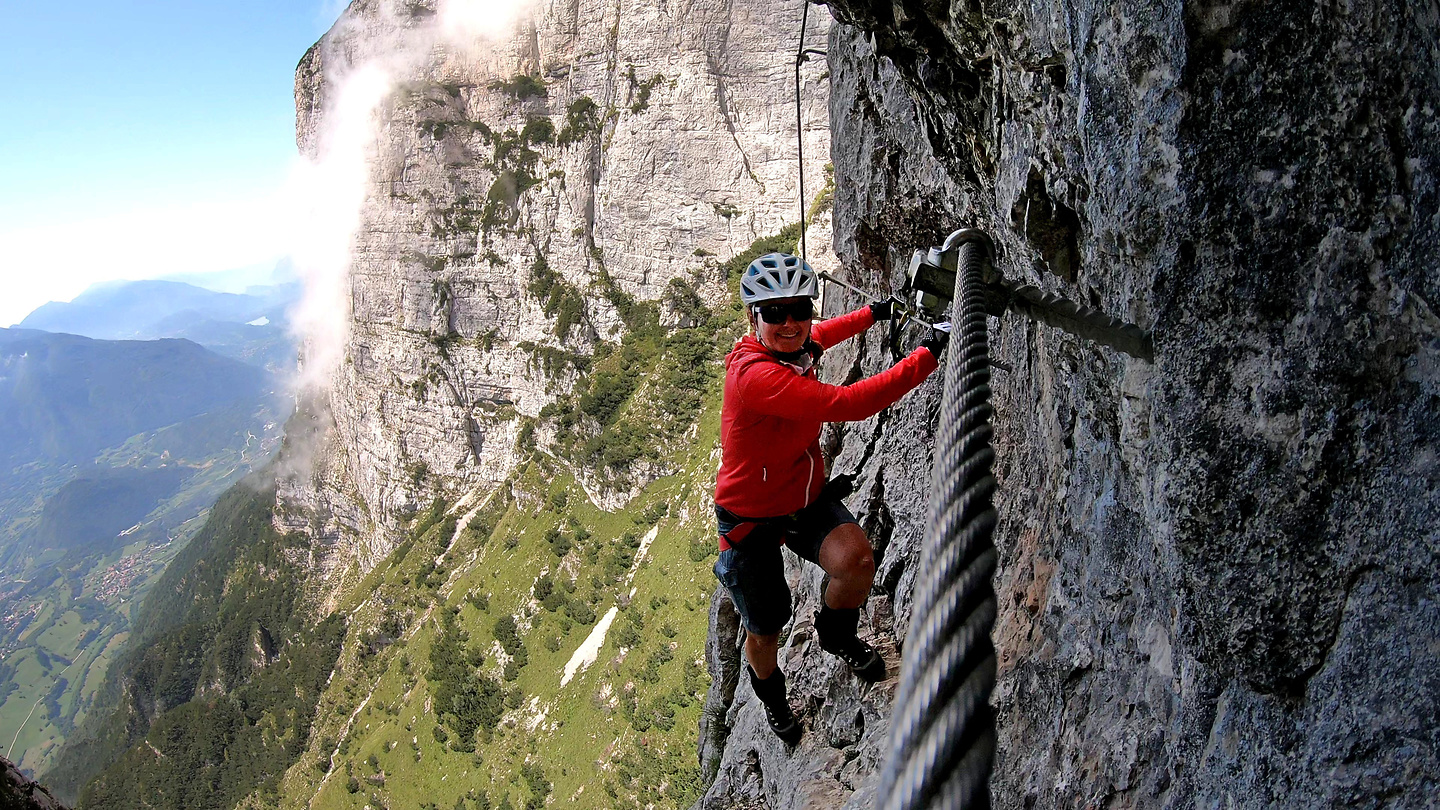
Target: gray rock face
514	190
19	792
1218	582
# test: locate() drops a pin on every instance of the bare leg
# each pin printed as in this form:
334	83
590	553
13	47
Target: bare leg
761	652
769	685
846	556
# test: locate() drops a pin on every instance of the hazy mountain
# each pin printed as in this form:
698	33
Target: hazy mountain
249	326
241	279
64	398
131	309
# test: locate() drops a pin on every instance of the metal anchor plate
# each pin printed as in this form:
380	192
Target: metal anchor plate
931	278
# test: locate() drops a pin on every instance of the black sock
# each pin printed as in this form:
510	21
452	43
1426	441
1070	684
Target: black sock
770	690
836	624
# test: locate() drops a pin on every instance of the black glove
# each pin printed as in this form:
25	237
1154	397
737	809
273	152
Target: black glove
936	343
839	487
882	310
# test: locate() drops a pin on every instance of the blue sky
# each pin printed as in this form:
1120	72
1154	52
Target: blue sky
142	138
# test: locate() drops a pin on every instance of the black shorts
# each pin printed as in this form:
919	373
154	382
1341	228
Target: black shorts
754	572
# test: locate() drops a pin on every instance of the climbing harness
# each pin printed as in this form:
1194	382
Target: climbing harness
942	729
802	55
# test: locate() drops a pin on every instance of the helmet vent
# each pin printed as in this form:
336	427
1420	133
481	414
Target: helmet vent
777	275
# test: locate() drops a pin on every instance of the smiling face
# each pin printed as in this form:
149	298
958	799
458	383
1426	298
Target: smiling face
783	337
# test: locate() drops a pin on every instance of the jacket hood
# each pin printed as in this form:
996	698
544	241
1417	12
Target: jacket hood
747	348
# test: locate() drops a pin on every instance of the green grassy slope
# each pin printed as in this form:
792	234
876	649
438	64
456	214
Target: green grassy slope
623	729
448	693
216	693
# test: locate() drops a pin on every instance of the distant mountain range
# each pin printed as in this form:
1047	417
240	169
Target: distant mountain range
64	398
111	453
250	327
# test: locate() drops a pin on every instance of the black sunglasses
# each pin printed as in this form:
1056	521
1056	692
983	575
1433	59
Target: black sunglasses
775	314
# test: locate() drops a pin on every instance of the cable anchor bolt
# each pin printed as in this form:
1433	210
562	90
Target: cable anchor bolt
931	280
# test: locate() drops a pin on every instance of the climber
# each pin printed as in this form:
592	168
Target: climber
771	487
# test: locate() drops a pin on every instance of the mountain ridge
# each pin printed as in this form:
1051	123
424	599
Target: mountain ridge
48	378
251	327
131	310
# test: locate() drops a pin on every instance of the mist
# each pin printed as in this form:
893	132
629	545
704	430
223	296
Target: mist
330	187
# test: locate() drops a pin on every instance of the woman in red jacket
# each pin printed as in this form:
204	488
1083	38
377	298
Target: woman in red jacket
770	488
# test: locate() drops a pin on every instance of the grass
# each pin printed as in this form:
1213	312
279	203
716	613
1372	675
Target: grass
63	636
60	634
588	745
81	668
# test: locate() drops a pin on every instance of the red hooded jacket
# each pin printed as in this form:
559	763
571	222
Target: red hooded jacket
771	417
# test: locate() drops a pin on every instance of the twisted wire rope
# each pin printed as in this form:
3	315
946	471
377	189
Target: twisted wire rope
942	732
1078	319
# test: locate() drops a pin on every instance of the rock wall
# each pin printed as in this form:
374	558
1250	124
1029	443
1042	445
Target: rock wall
512	187
1218	582
19	792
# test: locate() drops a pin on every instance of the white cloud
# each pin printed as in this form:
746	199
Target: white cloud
329	193
56	262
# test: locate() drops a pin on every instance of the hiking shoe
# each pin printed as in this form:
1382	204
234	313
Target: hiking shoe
771	693
862	659
783	723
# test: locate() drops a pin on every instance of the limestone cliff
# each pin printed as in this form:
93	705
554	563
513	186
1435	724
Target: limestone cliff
1218	571
518	191
1218	583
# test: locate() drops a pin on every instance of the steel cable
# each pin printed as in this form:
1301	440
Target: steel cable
1078	319
942	730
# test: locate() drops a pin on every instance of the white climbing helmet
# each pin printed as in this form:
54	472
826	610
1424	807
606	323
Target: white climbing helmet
777	275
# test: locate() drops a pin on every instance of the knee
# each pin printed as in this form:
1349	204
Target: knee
768	641
852	557
862	562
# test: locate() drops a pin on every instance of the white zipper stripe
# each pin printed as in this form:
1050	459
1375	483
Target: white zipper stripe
810	476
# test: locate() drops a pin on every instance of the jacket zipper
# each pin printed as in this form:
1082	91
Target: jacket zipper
809	476
764	474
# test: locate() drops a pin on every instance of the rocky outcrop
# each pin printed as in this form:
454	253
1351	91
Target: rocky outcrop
517	192
1218	583
19	792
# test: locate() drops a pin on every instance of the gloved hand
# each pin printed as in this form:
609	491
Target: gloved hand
938	340
839	487
882	310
